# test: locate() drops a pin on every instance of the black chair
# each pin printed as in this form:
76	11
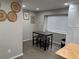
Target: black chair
35	40
41	42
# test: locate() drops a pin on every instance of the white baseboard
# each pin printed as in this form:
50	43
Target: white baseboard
26	40
17	56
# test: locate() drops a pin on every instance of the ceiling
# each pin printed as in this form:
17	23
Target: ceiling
44	4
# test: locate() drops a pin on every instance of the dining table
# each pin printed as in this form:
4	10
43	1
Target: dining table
45	35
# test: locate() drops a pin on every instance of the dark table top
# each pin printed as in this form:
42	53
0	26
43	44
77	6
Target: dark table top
42	33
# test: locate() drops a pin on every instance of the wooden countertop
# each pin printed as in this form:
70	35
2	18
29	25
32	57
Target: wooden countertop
70	51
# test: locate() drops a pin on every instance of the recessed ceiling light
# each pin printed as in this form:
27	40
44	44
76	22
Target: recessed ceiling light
66	4
23	6
37	9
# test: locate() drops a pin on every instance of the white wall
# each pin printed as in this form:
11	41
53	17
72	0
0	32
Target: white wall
73	34
28	28
10	34
73	15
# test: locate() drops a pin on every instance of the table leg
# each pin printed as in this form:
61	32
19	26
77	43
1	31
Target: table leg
51	40
45	43
33	38
40	43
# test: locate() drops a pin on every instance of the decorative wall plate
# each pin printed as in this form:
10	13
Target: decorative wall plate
12	16
16	7
32	19
3	15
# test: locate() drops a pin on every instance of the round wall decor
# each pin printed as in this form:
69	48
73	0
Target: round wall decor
12	16
3	15
16	7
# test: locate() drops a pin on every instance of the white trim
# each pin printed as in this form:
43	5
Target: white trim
56	42
17	56
26	40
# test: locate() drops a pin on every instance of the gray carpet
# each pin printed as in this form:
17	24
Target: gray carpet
33	52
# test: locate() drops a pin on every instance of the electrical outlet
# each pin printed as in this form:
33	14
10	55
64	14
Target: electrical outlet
9	50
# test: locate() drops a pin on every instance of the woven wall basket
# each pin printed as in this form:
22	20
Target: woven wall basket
3	15
12	16
16	7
